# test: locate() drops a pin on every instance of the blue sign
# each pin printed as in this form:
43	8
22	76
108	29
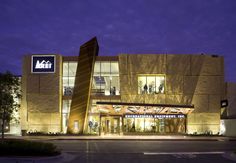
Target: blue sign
43	63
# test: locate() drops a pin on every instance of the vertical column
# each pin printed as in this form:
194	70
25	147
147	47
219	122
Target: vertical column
82	88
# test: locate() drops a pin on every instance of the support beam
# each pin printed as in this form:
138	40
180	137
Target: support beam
82	88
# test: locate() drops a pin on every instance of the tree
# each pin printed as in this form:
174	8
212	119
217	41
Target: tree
9	96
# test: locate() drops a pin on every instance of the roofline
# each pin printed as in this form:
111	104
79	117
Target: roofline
98	58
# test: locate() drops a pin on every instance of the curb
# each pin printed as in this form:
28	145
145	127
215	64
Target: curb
127	138
107	139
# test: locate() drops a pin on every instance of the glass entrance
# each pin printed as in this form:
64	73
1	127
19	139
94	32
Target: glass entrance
110	125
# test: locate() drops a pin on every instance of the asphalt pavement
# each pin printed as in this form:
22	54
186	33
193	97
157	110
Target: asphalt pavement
128	149
122	151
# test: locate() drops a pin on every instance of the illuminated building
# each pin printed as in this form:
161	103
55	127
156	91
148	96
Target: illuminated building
228	111
124	94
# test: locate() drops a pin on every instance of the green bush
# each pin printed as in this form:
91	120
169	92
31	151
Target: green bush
27	148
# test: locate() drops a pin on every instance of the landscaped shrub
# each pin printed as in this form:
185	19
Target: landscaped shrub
27	148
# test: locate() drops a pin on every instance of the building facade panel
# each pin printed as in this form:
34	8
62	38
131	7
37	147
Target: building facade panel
41	96
43	103
214	103
179	99
203	84
231	96
43	122
204	123
201	103
53	82
123	64
178	64
147	63
33	84
207	65
148	93
175	84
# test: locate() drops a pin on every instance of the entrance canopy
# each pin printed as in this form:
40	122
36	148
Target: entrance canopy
121	108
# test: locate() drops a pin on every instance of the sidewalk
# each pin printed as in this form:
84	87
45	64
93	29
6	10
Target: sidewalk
128	137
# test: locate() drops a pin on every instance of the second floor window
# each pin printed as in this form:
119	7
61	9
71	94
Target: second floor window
151	84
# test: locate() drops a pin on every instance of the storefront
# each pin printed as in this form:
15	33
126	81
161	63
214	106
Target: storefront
142	124
155	124
123	94
117	118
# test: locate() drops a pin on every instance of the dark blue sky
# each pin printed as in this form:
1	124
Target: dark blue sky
128	26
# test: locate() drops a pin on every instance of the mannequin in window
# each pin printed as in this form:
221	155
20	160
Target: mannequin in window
114	90
161	86
145	88
150	89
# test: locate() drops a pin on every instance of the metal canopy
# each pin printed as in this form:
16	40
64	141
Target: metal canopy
142	108
144	104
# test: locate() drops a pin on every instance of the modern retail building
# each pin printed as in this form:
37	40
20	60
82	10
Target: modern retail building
124	94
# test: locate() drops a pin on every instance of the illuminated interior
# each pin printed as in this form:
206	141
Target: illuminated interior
124	94
151	84
65	114
106	78
69	72
118	118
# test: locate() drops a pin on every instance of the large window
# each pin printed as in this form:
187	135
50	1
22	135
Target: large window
69	72
155	125
151	84
106	79
65	114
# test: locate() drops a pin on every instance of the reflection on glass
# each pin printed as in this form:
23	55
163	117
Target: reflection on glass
151	84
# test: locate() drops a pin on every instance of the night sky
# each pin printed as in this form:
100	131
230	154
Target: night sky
128	26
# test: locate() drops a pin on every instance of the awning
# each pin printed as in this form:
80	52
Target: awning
142	108
144	104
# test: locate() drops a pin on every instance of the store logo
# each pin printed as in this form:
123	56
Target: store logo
43	64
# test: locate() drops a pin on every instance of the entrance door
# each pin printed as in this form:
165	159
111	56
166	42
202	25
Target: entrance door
110	125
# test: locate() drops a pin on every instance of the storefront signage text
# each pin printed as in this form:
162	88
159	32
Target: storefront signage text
155	116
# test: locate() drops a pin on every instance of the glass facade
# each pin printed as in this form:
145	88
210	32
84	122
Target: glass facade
68	79
151	84
111	125
155	125
65	114
95	122
117	119
105	82
69	72
106	79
